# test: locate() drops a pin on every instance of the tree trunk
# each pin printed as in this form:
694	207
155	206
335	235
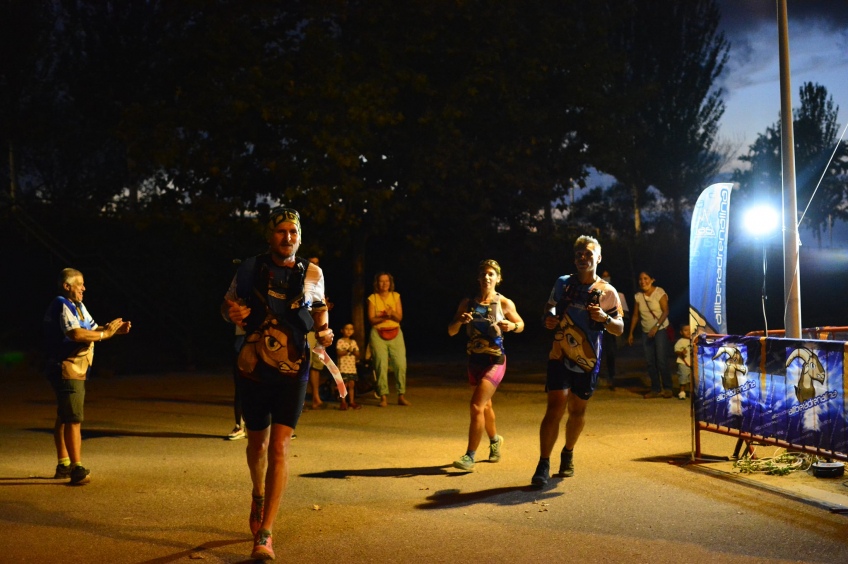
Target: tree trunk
358	293
637	212
548	221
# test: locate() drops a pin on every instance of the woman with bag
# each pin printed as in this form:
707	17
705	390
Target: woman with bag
651	310
385	313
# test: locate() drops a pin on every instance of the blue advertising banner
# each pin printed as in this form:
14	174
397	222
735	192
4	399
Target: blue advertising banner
787	389
708	260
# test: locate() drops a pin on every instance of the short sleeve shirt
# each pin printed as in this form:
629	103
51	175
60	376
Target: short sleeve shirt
577	338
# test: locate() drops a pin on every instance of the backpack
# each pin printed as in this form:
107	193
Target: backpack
279	319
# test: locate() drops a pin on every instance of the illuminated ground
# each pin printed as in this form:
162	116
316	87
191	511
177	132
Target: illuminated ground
376	485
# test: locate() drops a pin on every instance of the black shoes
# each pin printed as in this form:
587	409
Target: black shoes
566	463
80	475
62	471
543	473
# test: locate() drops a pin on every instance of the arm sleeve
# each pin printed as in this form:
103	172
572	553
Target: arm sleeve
313	286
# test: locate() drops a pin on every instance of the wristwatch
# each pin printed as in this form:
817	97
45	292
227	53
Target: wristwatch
608	320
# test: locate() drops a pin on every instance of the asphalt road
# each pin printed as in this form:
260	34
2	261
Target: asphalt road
376	485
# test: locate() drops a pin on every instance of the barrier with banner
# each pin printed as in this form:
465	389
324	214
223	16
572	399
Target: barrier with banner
785	392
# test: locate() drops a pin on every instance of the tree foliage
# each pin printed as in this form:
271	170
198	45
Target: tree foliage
821	183
408	134
660	126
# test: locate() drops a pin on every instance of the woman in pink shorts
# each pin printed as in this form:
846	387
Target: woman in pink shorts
486	316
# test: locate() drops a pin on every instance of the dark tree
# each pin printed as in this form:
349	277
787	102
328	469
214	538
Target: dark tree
391	126
821	182
413	136
26	91
660	125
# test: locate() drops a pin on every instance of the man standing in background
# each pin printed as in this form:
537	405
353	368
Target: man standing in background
69	336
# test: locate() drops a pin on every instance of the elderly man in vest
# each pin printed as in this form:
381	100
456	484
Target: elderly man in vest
69	336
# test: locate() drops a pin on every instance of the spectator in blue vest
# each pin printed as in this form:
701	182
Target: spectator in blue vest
69	335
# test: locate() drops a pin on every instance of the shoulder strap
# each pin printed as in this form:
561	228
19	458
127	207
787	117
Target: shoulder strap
73	307
246	275
648	305
568	290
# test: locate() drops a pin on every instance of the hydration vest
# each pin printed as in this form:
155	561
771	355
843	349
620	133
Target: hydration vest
278	306
485	338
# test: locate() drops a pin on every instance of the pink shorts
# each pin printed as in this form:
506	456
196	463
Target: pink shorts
494	373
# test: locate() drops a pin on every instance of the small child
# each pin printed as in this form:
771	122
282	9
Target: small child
683	350
347	352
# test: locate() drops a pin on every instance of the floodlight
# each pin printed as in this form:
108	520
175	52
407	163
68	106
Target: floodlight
761	220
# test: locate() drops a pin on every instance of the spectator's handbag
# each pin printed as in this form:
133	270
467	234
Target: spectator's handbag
388	333
669	329
76	366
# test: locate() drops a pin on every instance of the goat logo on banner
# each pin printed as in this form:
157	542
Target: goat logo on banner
787	389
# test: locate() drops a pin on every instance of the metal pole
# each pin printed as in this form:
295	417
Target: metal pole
791	244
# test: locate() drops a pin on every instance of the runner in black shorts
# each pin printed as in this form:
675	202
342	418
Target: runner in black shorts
278	298
559	378
278	402
580	308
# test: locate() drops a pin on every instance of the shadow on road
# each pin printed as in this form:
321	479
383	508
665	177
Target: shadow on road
33	481
385	472
678	459
510	495
101	433
196	553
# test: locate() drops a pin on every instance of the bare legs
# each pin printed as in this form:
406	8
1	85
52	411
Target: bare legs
558	402
350	400
314	387
68	440
267	458
482	414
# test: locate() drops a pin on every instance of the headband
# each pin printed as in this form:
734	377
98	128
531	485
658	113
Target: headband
279	215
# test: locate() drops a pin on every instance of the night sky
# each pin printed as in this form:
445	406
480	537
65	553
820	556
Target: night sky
818	50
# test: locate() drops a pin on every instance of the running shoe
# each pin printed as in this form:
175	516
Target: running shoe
542	475
465	463
495	449
237	433
262	548
80	475
62	471
566	463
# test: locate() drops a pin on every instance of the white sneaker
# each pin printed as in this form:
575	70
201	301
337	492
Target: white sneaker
681	395
237	433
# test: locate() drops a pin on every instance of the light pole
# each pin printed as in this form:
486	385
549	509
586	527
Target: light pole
791	243
762	221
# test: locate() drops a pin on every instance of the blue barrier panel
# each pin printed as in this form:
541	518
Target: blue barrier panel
790	392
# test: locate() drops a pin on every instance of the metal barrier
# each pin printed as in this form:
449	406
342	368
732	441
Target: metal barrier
772	390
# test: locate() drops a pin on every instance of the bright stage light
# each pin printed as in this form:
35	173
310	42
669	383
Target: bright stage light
761	220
